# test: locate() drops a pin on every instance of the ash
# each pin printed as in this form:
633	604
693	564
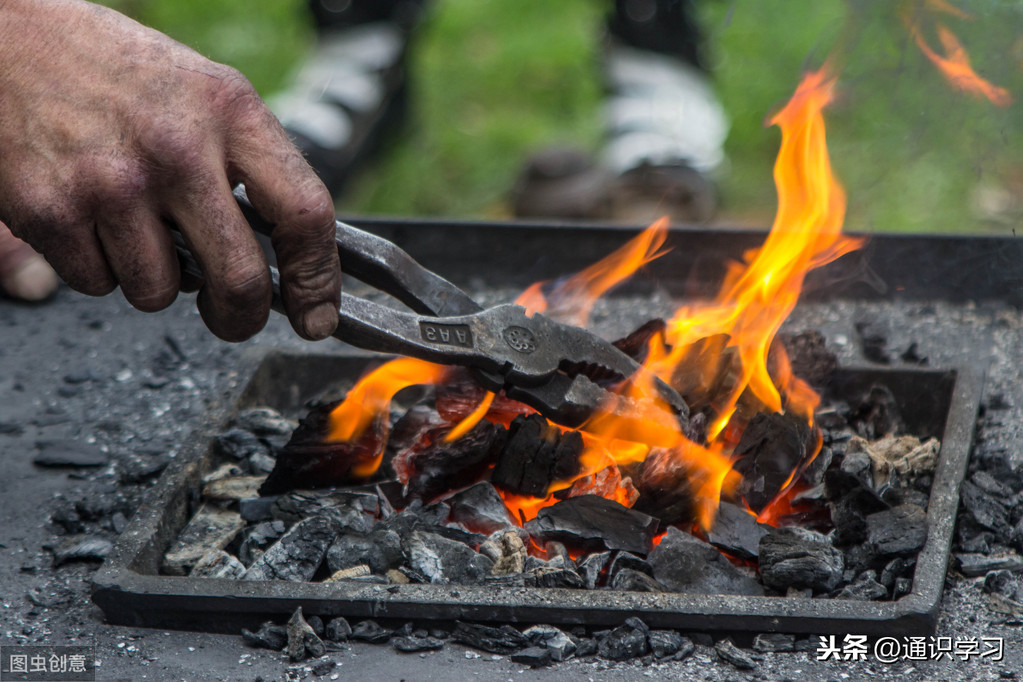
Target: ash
96	372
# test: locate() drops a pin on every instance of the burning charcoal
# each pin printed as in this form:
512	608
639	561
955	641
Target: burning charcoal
985	510
808	355
799	557
507	551
549	576
636	344
69	452
446	561
864	588
874	338
1005	583
442	466
217	563
534	657
897	532
298	554
736	531
302	640
258	538
559	644
380	550
877	415
210	528
592	567
503	640
309	461
480	509
256	509
664	488
687	564
704	371
535	455
412	644
239	444
268	636
623	560
595	522
770	642
337	630
624	643
664	643
607	482
975	565
771	448
350	510
81	548
370	631
233	488
264	421
734	655
631	580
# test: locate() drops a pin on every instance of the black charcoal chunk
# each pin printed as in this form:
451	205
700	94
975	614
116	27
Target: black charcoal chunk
239	444
592	567
664	643
849	515
81	548
351	510
559	643
69	452
256	509
683	563
503	640
370	631
210	528
549	576
974	565
265	421
337	630
316	623
258	538
443	467
734	655
216	563
302	640
623	643
1004	583
985	510
535	455
772	446
534	657
594	522
631	580
413	644
480	509
897	532
324	667
774	641
799	557
736	531
864	588
896	568
298	554
586	648
446	561
623	560
379	549
877	414
903	586
268	636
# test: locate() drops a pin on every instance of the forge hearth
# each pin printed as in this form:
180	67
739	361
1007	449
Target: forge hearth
130	589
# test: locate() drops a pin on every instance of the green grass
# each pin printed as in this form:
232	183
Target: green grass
493	80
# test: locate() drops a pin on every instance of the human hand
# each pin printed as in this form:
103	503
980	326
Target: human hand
109	131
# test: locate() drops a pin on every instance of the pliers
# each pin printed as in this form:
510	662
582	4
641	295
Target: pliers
563	372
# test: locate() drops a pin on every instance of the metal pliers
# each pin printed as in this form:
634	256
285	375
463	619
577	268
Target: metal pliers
563	372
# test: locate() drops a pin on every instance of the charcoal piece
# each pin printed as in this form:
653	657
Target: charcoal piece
534	657
799	557
814	472
216	563
985	510
912	355
324	667
877	414
210	528
975	565
560	644
446	561
508	580
308	460
903	586
849	516
730	653
770	642
623	560
298	554
558	556
1004	583
337	630
143	469
350	510
316	623
239	444
623	643
548	576
370	631
1016	536
897	532
535	455
592	567
261	464
258	538
412	644
596	523
736	531
81	548
442	467
664	643
435	514
232	488
503	640
302	640
380	550
683	563
265	421
256	509
896	568
507	551
770	449
852	474
268	636
664	488
637	344
874	340
864	588
479	508
69	452
631	580
808	355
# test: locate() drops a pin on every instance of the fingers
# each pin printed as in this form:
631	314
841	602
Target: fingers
285	190
141	255
24	274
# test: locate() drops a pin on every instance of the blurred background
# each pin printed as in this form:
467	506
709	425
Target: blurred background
493	80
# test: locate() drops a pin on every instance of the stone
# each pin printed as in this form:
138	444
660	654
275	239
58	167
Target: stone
337	630
503	640
799	557
268	636
233	488
298	554
506	549
380	550
594	522
69	452
734	655
664	643
551	638
302	640
210	528
769	642
216	563
446	561
683	563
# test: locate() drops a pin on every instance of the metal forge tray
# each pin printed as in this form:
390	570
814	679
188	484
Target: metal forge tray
130	591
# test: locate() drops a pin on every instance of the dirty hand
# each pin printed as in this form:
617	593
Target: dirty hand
109	131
